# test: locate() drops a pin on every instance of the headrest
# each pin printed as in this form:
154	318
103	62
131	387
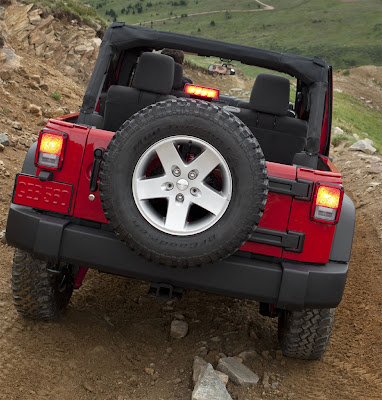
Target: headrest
154	73
270	94
178	77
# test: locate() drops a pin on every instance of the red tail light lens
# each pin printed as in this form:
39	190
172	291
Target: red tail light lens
50	149
201	91
327	203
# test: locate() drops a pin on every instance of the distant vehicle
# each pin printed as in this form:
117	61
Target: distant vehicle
223	69
189	188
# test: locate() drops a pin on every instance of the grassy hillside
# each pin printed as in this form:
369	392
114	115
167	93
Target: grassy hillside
354	116
345	33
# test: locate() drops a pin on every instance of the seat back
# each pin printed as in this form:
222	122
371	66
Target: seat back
266	115
152	82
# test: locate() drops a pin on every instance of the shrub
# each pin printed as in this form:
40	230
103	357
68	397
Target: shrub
56	95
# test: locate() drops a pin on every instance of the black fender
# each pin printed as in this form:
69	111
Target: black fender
343	235
28	166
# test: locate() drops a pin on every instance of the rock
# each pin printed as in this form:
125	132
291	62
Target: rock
248	355
96	41
17	125
338	131
215	339
51	113
279	354
375	169
81	49
43	86
198	366
33	109
4	140
210	386
89	387
369	141
203	351
223	377
179	329
35	78
363	145
237	372
3	238
2	12
149	371
374	184
355	136
179	316
177	380
33	85
266	355
265	381
37	37
2	147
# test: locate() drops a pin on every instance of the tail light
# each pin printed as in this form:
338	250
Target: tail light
201	91
327	203
50	149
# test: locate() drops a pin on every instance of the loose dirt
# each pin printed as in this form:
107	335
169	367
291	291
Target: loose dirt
113	330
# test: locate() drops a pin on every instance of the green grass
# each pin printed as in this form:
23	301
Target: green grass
353	116
346	34
56	95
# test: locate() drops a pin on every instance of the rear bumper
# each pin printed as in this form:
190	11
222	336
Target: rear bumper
287	285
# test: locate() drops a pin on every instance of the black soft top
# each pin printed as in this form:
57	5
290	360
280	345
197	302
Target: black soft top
119	36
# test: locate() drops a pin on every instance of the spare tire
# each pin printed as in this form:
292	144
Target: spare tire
184	183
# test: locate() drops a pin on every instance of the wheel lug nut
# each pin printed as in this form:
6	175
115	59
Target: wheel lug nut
180	197
176	171
192	174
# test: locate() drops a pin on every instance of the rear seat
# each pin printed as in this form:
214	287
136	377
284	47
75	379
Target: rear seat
266	115
152	82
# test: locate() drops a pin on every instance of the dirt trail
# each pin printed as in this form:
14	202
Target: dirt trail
113	331
266	8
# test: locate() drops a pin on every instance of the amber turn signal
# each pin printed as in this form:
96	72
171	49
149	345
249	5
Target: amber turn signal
327	203
51	144
50	149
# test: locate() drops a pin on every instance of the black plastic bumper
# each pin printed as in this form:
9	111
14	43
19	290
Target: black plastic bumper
286	285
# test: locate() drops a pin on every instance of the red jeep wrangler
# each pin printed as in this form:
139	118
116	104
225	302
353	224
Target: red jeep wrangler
187	188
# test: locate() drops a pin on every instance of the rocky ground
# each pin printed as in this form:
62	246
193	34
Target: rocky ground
117	342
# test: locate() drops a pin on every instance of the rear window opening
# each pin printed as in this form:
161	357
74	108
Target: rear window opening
274	106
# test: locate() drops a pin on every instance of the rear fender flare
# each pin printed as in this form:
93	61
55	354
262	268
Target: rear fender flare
343	235
29	167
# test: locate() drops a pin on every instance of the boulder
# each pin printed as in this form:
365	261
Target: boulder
237	371
198	367
363	145
210	386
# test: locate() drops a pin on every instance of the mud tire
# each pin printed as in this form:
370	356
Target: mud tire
305	334
38	293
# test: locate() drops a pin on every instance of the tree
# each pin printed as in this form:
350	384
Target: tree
212	23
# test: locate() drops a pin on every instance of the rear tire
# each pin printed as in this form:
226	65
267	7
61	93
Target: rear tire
305	334
38	293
